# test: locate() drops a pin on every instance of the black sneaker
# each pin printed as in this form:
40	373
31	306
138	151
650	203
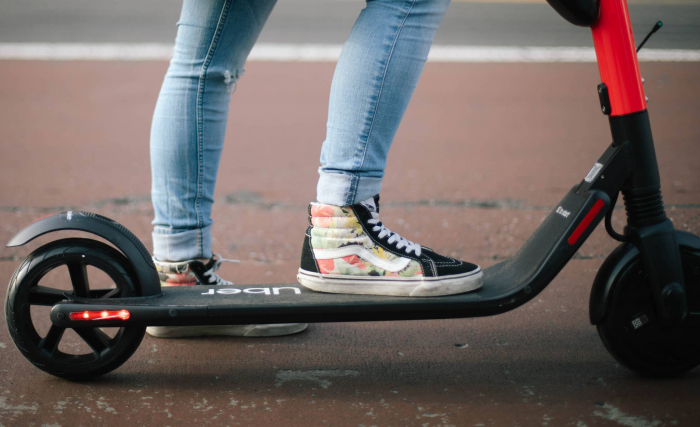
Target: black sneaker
195	272
348	250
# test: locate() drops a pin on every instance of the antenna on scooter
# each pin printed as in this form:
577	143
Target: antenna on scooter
656	28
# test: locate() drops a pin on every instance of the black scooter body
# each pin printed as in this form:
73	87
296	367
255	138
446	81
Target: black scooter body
507	285
645	300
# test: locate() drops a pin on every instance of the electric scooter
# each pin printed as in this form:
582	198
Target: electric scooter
645	299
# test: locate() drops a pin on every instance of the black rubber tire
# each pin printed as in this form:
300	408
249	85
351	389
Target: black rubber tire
646	347
17	304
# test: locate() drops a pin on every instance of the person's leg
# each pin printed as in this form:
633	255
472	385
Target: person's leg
213	40
347	249
374	80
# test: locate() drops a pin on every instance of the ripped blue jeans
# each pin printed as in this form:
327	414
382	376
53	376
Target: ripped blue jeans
374	80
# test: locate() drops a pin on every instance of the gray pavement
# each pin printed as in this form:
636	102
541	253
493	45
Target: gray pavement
314	21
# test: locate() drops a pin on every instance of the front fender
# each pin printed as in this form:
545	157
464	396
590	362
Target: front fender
115	233
605	279
613	265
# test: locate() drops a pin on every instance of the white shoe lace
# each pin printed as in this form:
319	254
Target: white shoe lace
211	273
393	237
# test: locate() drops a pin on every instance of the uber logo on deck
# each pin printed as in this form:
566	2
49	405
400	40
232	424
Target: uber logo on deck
264	291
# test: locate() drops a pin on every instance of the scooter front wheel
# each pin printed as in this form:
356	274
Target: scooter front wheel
633	335
35	286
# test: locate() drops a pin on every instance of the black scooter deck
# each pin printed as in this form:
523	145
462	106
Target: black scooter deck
292	302
507	285
282	303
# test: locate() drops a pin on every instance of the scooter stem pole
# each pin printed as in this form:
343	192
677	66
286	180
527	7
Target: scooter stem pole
617	58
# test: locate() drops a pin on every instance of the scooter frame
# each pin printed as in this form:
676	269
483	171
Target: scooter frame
628	166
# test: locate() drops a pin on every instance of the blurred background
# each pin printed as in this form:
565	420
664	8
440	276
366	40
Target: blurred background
468	22
505	120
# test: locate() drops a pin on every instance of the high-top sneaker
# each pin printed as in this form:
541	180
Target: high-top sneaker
348	250
191	272
196	272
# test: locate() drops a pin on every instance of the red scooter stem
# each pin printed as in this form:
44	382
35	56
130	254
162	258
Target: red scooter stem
617	58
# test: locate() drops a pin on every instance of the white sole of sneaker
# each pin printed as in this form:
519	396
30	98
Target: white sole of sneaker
274	330
394	286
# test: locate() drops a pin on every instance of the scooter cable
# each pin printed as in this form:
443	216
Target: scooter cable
608	222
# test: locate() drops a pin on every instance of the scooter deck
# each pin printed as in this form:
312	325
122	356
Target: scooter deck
283	303
293	302
506	286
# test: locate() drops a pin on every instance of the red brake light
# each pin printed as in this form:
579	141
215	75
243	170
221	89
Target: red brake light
100	315
585	222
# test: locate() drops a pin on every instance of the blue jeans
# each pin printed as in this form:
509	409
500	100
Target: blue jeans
374	80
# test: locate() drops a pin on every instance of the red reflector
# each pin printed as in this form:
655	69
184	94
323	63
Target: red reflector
586	222
100	315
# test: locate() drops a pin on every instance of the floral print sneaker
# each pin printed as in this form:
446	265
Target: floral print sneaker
191	272
347	249
196	272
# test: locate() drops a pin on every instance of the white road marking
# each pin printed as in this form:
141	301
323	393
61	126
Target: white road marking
281	52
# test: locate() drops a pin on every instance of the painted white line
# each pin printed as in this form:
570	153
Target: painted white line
86	51
547	54
295	52
280	52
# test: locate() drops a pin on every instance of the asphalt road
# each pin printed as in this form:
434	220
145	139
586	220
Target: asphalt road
484	153
314	21
472	174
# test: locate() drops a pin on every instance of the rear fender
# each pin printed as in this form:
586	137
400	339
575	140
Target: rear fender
115	233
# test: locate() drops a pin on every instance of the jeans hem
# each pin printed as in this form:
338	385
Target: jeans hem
182	245
342	189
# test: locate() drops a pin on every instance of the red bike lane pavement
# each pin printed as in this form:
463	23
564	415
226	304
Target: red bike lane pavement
484	153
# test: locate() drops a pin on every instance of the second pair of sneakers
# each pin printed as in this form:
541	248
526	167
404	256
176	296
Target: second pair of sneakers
348	250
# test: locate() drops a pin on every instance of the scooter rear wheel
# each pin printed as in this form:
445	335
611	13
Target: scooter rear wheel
103	353
632	333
